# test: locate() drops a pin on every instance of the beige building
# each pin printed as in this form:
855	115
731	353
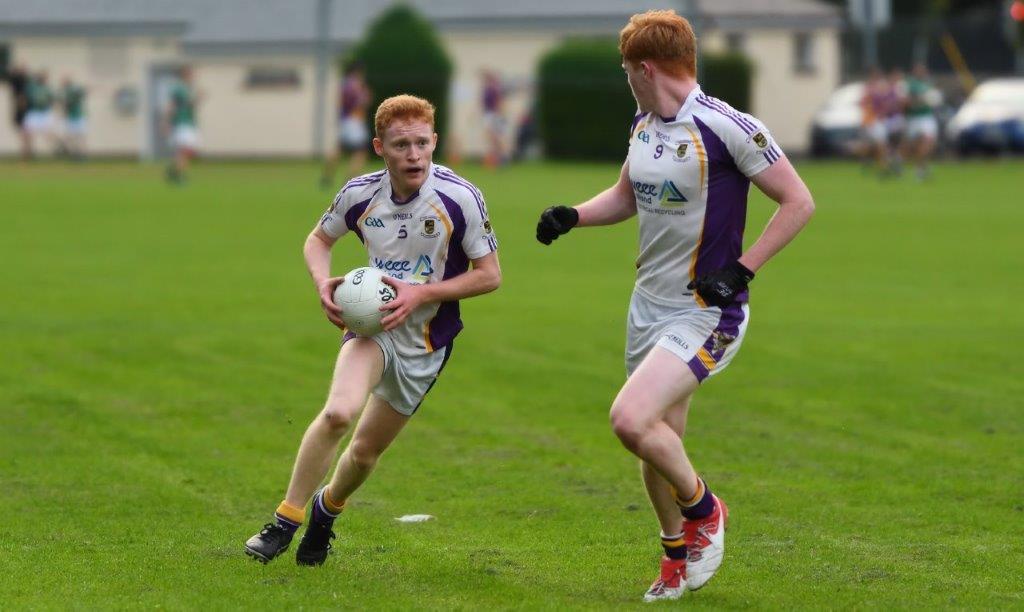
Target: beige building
257	72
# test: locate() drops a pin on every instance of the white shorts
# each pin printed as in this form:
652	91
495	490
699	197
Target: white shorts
185	137
38	121
406	380
706	339
876	132
922	127
353	134
75	127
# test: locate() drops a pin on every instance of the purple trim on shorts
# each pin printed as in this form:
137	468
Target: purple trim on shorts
352	217
715	104
725	214
728	325
451	177
447	322
447	354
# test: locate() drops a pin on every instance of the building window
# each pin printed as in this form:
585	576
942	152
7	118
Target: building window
803	53
735	42
270	77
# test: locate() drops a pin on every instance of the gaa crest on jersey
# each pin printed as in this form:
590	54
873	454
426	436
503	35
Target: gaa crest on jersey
760	139
644	137
682	149
430	228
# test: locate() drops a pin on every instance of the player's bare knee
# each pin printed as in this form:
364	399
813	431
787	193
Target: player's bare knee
627	427
338	419
364	455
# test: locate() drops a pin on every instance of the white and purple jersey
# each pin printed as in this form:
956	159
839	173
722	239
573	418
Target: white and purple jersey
430	237
690	175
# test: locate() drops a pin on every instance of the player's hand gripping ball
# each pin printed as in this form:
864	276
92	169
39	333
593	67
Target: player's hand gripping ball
360	298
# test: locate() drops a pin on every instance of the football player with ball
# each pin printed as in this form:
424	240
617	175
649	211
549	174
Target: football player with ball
430	244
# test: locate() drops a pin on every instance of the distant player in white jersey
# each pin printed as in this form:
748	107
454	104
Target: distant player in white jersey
691	160
428	229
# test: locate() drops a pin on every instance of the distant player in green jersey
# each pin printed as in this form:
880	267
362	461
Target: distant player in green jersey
181	123
922	126
39	119
72	98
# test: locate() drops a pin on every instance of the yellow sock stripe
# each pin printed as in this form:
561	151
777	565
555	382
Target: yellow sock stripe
696	496
292	513
332	506
680	541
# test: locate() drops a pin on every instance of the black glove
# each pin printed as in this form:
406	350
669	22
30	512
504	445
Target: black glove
720	288
555	221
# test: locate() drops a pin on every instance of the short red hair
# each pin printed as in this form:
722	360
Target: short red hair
403	107
663	38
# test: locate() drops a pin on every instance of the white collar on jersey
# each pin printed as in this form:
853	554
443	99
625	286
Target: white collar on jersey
690	100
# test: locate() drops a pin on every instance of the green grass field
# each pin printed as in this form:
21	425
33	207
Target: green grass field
163	350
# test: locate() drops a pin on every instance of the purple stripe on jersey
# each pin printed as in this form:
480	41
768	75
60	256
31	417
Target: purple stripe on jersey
451	177
366	179
725	109
725	214
734	119
447	323
636	120
353	214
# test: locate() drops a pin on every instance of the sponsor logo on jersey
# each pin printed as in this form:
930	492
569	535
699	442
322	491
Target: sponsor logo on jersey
401	216
405	269
760	139
397	268
644	137
662	136
373	222
487	226
431	227
423	269
667	195
670	195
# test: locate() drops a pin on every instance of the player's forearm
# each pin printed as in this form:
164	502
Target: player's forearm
784	225
477	281
318	259
611	206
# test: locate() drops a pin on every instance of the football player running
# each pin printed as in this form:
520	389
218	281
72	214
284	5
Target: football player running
428	229
691	160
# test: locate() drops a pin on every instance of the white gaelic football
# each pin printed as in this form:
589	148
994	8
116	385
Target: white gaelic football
360	298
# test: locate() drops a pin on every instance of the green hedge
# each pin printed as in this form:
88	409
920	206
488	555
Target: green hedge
727	76
403	55
583	101
585	106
